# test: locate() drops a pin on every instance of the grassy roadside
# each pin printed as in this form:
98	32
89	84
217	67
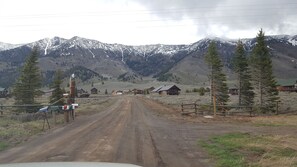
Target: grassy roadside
14	132
275	121
93	106
243	149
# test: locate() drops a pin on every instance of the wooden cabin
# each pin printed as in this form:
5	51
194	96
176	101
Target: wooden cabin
287	88
94	91
167	90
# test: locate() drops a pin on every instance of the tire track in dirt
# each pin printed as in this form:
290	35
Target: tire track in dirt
142	117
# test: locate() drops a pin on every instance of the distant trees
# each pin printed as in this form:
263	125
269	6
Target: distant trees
241	68
57	94
27	85
263	78
200	90
219	88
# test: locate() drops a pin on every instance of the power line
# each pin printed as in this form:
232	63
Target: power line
210	20
234	8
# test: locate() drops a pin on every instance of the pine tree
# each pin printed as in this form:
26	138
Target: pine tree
217	77
57	95
262	74
29	82
241	67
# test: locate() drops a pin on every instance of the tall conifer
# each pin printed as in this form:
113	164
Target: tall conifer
27	86
241	68
262	75
57	94
217	77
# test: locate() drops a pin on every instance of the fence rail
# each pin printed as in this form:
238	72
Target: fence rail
187	108
194	108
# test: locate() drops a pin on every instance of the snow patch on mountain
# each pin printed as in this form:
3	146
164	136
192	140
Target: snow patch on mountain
122	55
293	42
91	53
47	45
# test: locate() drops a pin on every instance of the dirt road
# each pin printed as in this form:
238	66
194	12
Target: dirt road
130	131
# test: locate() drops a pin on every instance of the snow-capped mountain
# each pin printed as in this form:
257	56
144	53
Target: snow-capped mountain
7	46
180	61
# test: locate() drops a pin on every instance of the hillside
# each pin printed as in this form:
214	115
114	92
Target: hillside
177	63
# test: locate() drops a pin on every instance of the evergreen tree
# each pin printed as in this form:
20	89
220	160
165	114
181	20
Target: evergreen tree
57	95
29	82
263	78
106	92
241	67
217	77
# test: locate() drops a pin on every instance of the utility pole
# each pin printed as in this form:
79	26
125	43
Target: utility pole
71	100
72	95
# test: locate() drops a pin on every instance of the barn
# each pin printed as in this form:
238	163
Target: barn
94	91
167	90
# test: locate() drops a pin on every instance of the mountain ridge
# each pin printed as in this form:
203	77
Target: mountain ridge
113	60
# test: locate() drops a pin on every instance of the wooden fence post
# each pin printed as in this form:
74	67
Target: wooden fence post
195	108
277	107
182	107
45	119
55	118
1	109
214	106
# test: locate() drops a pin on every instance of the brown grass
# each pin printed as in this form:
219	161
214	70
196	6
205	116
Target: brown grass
276	120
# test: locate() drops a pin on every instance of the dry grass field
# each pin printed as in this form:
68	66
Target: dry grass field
287	100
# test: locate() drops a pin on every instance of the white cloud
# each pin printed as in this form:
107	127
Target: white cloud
141	21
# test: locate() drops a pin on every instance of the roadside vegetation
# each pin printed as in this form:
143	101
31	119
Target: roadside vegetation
275	121
21	127
243	149
13	132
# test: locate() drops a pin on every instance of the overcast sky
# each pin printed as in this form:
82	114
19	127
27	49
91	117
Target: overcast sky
137	22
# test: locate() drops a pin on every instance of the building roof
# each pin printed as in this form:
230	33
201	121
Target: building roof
165	88
157	88
94	89
2	89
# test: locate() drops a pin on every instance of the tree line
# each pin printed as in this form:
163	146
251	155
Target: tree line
256	83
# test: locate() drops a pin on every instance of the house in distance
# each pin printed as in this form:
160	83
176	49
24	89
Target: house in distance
94	91
167	90
287	88
3	92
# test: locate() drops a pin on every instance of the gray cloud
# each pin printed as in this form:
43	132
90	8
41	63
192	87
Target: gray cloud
274	16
